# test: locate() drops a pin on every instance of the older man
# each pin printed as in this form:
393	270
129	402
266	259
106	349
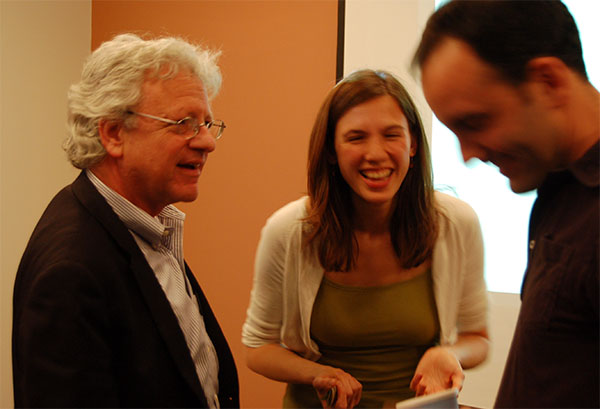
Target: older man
106	311
508	77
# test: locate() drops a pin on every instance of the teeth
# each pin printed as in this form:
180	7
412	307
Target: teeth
377	174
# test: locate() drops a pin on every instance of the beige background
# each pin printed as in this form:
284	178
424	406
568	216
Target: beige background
42	46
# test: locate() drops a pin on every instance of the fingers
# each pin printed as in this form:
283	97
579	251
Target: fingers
421	389
427	385
349	394
347	389
420	385
414	383
342	399
438	369
457	381
323	387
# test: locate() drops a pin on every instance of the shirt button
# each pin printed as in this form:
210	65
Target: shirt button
531	244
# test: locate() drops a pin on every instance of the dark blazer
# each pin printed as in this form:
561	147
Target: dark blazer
91	325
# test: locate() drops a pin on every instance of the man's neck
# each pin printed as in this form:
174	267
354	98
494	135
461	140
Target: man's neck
584	121
112	179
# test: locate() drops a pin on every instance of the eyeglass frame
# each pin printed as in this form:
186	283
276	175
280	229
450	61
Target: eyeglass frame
195	124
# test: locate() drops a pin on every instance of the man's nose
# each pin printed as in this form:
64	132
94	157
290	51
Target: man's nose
204	140
471	150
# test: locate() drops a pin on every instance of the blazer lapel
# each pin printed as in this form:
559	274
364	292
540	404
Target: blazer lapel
228	377
155	298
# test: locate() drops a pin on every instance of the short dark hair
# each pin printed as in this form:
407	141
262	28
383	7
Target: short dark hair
413	225
507	33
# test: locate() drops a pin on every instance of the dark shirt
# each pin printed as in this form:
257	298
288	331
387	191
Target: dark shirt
554	359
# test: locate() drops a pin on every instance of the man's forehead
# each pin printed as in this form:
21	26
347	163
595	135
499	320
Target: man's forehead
454	74
184	81
453	56
170	73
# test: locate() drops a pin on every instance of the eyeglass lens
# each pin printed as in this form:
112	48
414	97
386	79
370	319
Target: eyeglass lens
191	126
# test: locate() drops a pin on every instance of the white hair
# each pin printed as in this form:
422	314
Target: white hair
111	83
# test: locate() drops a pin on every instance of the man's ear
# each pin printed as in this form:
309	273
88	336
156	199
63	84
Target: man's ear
549	76
111	136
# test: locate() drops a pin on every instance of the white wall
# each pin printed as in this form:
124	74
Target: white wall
43	44
481	383
384	34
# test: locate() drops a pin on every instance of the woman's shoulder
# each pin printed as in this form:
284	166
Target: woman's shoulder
288	217
290	212
455	210
283	228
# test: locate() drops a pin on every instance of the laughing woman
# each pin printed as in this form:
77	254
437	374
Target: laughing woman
372	285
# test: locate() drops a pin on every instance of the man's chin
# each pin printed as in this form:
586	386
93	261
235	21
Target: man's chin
188	196
189	199
526	184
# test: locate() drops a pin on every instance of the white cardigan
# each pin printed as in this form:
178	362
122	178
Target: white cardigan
286	279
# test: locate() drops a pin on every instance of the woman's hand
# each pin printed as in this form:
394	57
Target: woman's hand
347	389
438	369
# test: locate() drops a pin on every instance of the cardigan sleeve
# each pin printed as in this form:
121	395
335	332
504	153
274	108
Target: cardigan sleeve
473	307
459	282
264	316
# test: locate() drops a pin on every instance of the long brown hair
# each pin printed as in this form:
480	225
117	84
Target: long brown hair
330	232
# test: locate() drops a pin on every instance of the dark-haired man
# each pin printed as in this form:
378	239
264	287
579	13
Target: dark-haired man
508	78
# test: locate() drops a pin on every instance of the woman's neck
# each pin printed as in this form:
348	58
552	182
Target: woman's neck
372	218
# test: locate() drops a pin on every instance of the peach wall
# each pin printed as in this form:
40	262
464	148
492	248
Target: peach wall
278	63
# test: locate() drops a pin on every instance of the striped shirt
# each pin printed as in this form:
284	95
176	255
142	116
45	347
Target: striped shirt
161	240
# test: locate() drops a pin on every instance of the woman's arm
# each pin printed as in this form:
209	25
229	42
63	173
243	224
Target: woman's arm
441	367
261	332
471	348
280	364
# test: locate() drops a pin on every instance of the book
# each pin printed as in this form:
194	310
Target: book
447	399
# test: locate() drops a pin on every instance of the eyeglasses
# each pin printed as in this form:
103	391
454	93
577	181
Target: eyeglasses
189	126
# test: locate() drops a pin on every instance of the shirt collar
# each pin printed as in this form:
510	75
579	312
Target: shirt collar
155	230
586	168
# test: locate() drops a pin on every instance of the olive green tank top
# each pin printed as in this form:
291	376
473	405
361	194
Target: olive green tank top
377	334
